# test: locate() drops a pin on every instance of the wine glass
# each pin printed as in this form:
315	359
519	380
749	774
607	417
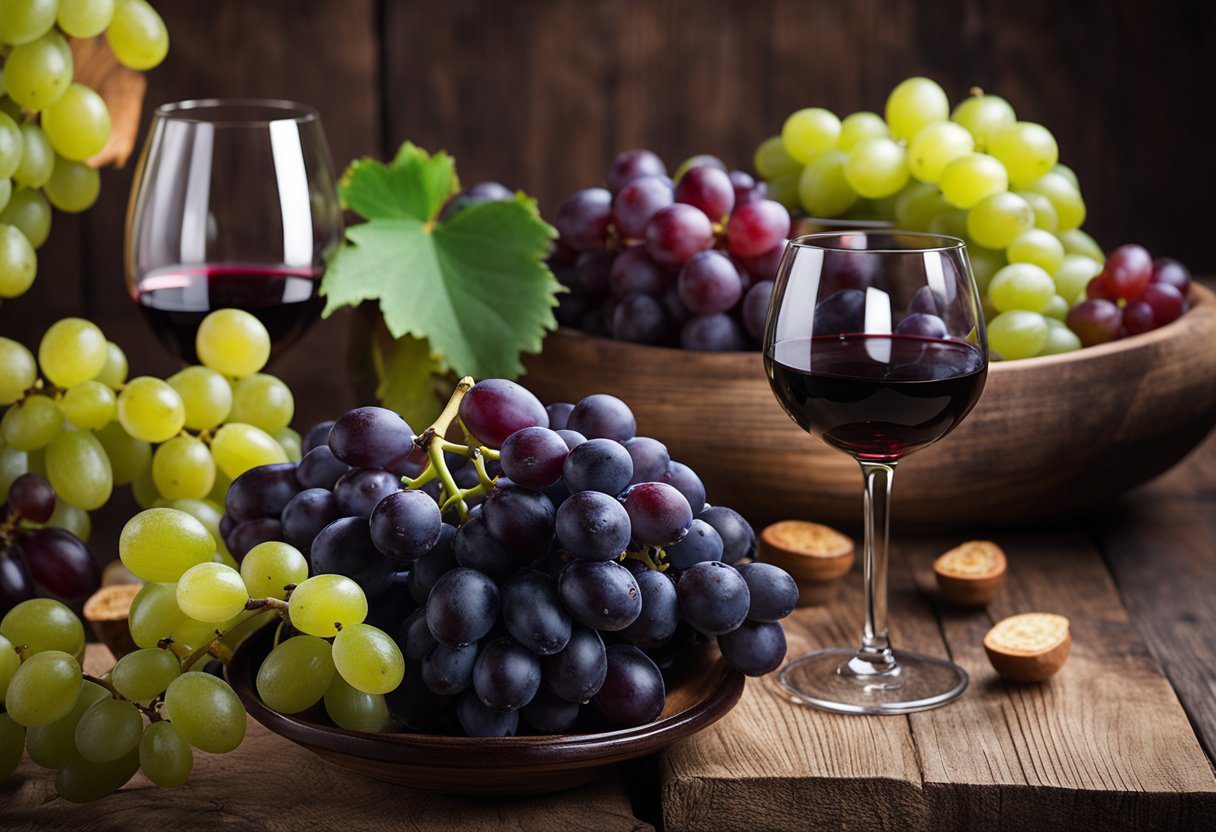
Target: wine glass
875	344
233	205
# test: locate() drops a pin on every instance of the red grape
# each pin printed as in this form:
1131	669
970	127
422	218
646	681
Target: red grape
640	319
755	308
677	232
712	333
765	266
1138	317
709	282
660	514
495	408
592	271
633	164
61	564
1166	301
32	498
746	187
1127	272
634	273
638	201
757	227
1096	321
1172	273
582	220
709	189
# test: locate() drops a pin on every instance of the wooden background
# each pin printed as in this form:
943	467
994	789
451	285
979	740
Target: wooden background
541	93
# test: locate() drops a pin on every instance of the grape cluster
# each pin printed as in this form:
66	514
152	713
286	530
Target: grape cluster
51	127
685	261
86	428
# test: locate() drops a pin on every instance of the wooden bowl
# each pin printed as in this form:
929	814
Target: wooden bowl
697	697
1051	437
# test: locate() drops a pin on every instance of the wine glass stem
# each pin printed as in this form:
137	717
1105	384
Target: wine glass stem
875	646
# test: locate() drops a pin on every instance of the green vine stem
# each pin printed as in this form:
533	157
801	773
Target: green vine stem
151	711
260	613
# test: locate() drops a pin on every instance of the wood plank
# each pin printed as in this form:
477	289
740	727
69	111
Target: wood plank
270	784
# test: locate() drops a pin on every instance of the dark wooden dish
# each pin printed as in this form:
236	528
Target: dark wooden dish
1051	437
697	698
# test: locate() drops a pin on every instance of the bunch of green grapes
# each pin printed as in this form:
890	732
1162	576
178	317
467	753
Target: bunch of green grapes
51	127
74	417
974	172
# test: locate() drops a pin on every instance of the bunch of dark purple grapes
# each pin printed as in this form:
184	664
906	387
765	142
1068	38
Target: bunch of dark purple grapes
551	560
36	558
686	262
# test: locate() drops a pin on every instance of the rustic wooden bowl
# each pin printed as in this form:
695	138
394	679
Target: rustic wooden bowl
1051	437
697	697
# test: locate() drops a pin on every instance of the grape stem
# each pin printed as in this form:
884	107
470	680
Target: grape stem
261	612
150	711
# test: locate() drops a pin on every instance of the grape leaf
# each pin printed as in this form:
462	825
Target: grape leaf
475	286
407	379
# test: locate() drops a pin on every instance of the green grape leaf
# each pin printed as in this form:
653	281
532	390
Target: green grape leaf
407	379
475	287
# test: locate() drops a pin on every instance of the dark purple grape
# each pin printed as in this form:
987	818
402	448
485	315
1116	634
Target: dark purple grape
1138	318
634	273
534	614
345	547
712	333
306	515
738	536
571	307
674	306
572	438
31	498
447	670
462	607
558	413
755	648
548	713
598	322
227	524
593	525
1172	273
414	705
15	583
633	692
709	189
506	675
495	408
633	164
840	313
481	192
582	220
405	525
926	301
598	465
755	308
576	673
600	593
601	416
650	459
701	544
676	233
1166	302
436	563
640	319
533	457
637	202
714	597
371	437
519	519
922	325
685	480
660	610
359	491
246	535
745	187
414	638
658	513
479	721
320	468
317	436
765	266
709	283
261	492
475	549
387	610
61	564
592	270
773	593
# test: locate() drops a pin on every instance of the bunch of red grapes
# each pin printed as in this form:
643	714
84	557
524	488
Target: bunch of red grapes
686	262
1134	293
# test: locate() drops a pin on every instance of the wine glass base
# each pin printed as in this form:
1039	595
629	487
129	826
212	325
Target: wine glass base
835	680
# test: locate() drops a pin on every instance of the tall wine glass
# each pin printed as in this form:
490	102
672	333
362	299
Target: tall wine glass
233	204
875	344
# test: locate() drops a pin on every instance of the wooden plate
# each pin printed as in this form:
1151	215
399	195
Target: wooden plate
696	698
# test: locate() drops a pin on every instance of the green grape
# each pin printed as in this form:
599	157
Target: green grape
877	168
7	105
237	448
193	634
772	160
971	178
355	710
368	659
996	221
1064	197
822	188
320	603
809	132
1045	216
31	424
1017	334
85	18
89	405
917	205
18	263
1027	150
9	661
13	463
206	711
1038	247
52	745
1074	273
165	755
37	158
72	350
232	342
951	223
290	441
1057	309
6	192
10	146
219	491
18	372
73	187
206	395
160	544
30	213
1060	339
24	20
36	460
114	373
144	491
78	124
784	189
79	470
129	457
12	743
205	512
270	567
985	263
1021	286
983	116
143	675
38	72
183	469
43	689
296	674
1069	174
914	103
137	35
263	401
151	410
82	781
1077	241
108	730
936	146
70	518
154	614
211	592
41	625
857	127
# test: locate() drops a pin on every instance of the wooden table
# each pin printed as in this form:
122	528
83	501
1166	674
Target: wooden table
1122	739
